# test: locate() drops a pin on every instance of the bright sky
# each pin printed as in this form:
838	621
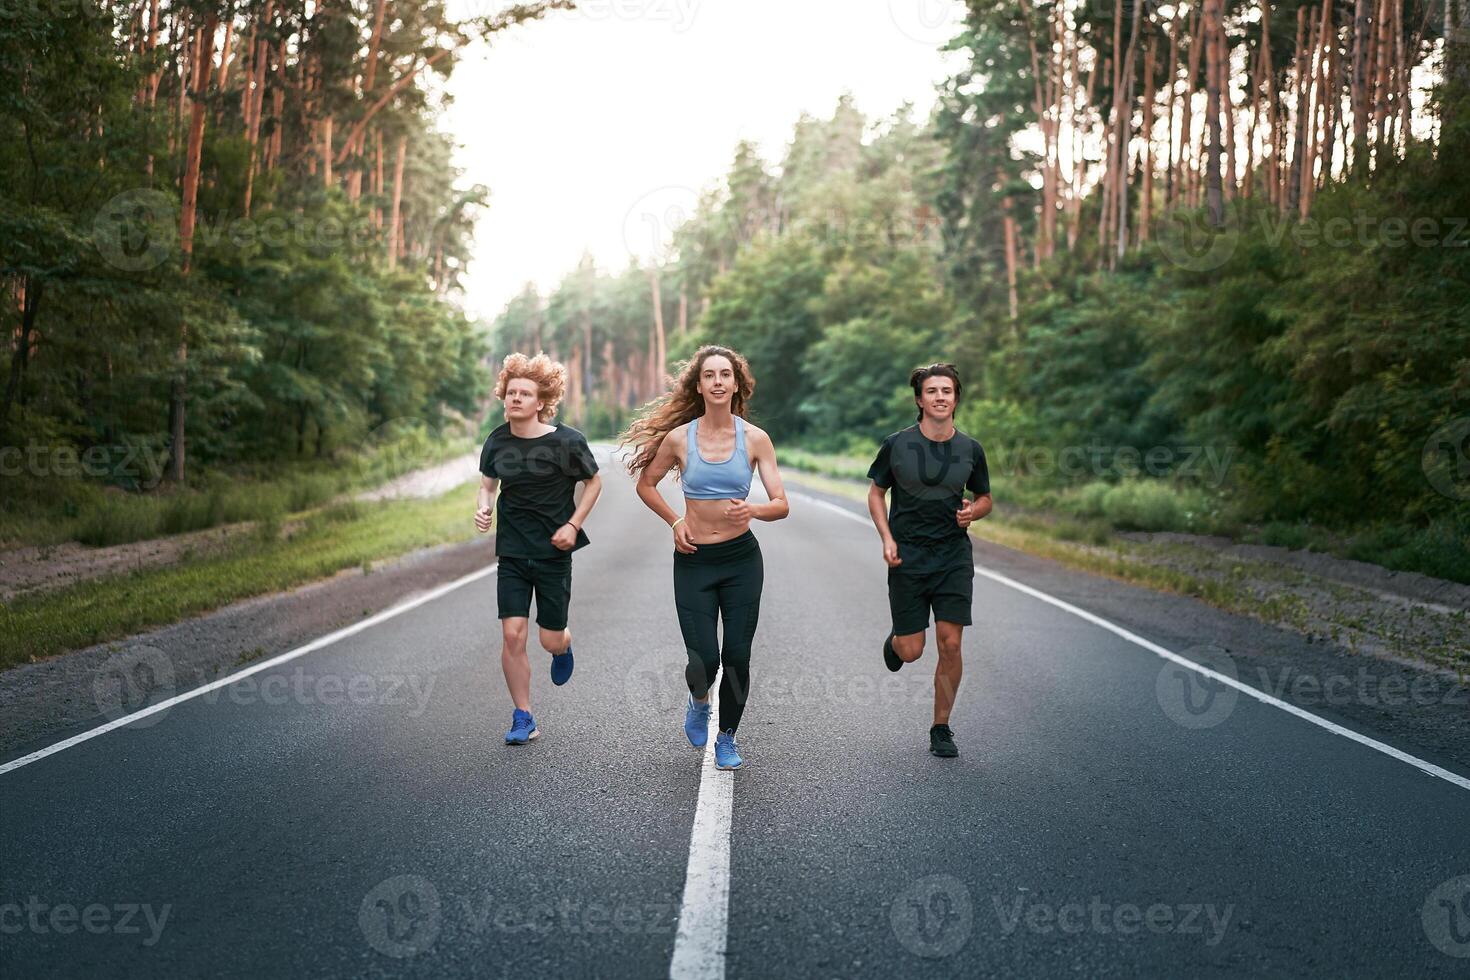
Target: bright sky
596	129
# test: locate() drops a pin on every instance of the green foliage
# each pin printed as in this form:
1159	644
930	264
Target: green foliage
302	342
764	308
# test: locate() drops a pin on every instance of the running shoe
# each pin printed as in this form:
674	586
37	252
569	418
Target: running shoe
889	657
561	667
696	722
522	728
941	742
726	757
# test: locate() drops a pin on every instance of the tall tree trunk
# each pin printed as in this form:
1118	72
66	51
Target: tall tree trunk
1011	258
327	152
253	99
650	364
1109	138
187	207
370	72
574	383
1310	98
1361	42
1227	105
1269	156
1214	195
1315	140
30	299
660	341
1078	159
1332	100
395	223
1384	48
587	353
1299	124
1171	74
1124	132
224	54
1186	140
1146	196
278	106
1041	83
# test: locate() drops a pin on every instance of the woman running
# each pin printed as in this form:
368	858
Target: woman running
700	428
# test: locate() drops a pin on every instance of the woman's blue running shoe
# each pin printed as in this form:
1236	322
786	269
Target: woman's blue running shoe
725	755
561	667
522	728
696	722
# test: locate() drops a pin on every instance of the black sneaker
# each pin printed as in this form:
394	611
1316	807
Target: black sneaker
889	657
941	742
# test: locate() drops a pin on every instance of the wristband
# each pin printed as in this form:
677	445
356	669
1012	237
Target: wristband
675	524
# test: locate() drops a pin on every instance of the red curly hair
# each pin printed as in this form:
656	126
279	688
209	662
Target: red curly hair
550	377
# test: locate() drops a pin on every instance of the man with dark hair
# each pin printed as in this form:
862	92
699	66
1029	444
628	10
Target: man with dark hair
924	530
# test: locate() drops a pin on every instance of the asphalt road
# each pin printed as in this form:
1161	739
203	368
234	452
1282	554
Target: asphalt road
353	811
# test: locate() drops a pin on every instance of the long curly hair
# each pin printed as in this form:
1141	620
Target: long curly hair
682	403
550	377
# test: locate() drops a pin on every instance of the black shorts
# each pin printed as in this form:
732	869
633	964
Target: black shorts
549	578
949	592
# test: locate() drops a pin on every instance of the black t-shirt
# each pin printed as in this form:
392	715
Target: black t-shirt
537	479
928	481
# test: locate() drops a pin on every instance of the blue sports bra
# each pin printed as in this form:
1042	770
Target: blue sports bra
729	480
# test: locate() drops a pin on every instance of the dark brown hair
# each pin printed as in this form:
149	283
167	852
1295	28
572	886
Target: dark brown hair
920	375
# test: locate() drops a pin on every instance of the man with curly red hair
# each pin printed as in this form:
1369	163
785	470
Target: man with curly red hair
538	464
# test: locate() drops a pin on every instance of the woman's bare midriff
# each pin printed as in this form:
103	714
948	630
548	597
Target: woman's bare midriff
707	521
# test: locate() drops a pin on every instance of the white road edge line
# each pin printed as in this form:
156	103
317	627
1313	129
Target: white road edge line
1259	695
229	679
699	946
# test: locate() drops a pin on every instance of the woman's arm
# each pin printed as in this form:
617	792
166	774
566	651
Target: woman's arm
647	488
764	457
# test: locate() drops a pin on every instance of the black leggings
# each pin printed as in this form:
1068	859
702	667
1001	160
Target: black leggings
720	581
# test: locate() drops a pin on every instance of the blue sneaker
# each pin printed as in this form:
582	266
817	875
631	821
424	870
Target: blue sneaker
696	722
561	667
725	755
522	728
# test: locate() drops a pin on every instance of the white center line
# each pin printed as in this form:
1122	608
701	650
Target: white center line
699	947
1372	743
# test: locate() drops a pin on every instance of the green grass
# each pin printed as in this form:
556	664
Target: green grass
1091	512
349	535
44	511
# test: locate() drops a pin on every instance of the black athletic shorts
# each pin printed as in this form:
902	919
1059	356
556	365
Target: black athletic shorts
549	578
949	592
